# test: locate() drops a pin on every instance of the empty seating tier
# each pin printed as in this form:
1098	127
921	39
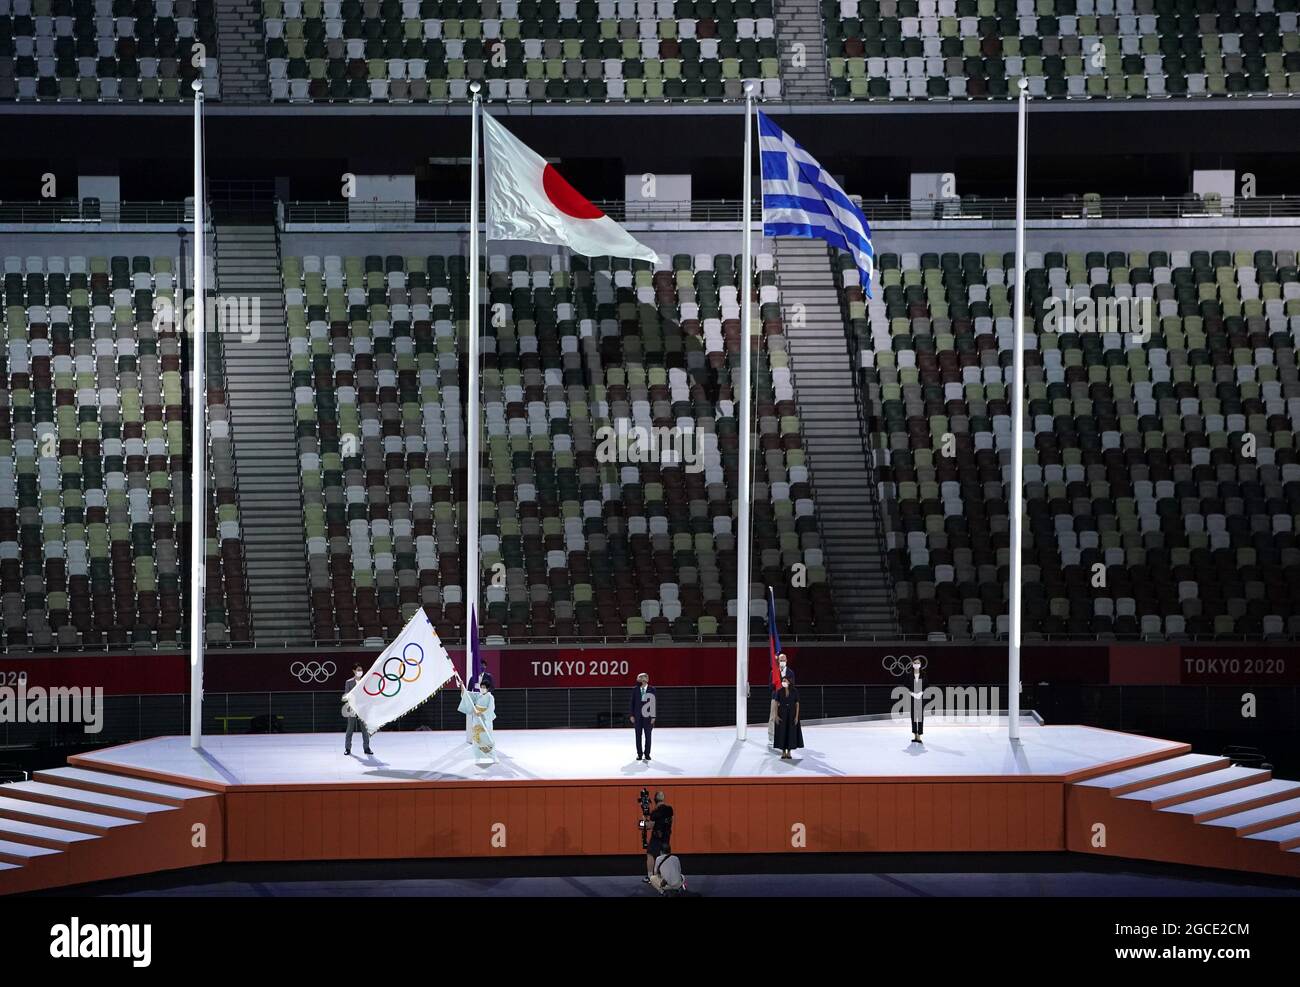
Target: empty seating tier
608	476
94	461
107	50
1079	49
1161	470
541	50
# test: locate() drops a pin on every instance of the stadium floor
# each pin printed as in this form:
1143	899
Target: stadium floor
871	876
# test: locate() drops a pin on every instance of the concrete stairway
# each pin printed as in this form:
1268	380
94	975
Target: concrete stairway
828	406
241	45
72	826
799	23
263	431
1193	809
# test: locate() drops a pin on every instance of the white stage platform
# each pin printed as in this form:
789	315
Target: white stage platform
857	787
966	749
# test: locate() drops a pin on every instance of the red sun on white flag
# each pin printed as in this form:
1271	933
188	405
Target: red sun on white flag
565	197
528	199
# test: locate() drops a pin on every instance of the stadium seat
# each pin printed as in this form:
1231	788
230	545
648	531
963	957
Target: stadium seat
94	467
1074	49
102	51
610	442
519	50
1161	473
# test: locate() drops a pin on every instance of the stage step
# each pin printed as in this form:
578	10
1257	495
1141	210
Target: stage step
86	822
21	853
83	824
41	835
1198	786
1195	809
102	781
1237	800
1265	817
1132	779
1286	837
74	798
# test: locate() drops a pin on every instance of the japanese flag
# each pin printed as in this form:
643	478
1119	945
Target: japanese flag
527	199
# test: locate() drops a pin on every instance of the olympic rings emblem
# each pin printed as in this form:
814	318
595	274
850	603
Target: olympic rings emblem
898	665
313	671
390	678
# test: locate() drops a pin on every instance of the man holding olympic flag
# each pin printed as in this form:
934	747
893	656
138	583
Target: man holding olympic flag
358	676
407	672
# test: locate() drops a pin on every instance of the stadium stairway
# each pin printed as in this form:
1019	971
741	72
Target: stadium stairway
823	376
1193	809
263	428
241	40
800	22
72	826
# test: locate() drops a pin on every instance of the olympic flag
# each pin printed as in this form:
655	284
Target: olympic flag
409	671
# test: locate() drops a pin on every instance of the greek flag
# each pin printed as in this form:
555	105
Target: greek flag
801	199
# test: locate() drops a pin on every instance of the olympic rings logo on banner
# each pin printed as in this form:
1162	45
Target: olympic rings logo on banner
900	664
313	671
402	674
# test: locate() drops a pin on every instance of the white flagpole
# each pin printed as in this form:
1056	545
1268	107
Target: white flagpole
198	438
742	404
472	456
1017	486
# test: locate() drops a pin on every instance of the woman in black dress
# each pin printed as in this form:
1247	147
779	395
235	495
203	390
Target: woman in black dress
789	733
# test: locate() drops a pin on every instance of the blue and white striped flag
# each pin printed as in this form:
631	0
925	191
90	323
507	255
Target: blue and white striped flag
801	199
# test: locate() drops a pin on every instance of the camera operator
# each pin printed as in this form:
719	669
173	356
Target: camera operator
661	831
668	878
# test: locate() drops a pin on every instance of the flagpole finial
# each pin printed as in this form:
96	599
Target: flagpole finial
748	88
1024	87
475	88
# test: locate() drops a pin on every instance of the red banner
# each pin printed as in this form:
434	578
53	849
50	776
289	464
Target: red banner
604	666
1239	664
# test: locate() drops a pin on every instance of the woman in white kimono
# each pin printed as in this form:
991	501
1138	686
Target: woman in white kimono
480	710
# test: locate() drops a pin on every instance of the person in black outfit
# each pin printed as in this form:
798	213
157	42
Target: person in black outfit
784	671
661	831
354	721
789	732
641	712
916	702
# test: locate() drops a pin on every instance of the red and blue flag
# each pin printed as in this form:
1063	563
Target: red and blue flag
773	638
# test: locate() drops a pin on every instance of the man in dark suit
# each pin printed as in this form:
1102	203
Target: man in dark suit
354	721
641	712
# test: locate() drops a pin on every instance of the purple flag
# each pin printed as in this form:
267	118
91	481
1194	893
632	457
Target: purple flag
475	659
